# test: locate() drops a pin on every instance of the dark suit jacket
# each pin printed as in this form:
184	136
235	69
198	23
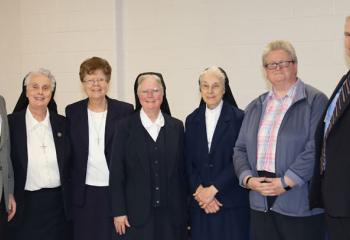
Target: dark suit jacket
332	190
77	117
216	167
130	173
19	156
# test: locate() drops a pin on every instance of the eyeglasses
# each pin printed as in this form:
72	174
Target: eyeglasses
274	65
207	88
91	82
154	91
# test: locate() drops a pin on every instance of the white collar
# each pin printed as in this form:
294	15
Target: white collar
215	110
32	123
147	122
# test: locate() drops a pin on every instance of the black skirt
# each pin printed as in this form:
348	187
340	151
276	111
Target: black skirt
41	216
158	227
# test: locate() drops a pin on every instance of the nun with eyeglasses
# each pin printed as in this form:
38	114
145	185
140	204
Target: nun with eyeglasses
147	177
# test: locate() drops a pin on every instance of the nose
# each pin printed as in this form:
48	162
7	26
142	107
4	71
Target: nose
149	94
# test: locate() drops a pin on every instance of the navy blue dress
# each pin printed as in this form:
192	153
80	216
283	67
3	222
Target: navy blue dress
215	167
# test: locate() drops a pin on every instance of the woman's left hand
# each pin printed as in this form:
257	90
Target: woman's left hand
205	195
212	207
272	187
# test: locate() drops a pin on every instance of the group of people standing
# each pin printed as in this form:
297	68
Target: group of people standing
277	170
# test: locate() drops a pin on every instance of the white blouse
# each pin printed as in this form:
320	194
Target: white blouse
42	169
153	128
211	119
97	173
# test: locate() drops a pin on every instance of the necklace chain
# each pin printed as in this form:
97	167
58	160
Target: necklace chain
97	126
42	137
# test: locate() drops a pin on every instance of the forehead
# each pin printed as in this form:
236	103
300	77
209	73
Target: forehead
211	78
277	55
95	73
149	81
39	79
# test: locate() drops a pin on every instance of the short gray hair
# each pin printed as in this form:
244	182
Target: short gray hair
144	76
279	45
215	71
44	72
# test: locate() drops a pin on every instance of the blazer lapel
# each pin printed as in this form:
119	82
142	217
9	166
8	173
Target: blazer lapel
346	105
110	124
84	125
21	138
137	137
202	129
221	127
57	133
171	137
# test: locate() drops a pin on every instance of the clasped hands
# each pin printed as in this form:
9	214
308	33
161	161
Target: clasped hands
205	196
267	186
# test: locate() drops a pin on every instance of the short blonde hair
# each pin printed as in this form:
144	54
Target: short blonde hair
280	45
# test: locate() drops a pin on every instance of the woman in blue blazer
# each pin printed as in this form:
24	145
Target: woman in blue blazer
219	206
91	123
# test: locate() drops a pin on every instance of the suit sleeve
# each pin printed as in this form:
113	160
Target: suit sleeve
240	156
191	171
117	170
8	149
302	169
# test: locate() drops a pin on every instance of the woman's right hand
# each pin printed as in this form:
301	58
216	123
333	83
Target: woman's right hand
120	224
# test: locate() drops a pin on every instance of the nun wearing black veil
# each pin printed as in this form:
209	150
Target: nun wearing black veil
219	206
40	153
147	175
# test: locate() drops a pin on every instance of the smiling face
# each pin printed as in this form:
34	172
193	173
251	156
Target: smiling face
150	93
281	75
39	91
95	85
212	90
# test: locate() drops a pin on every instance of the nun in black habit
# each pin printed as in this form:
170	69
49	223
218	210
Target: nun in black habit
40	152
147	177
219	206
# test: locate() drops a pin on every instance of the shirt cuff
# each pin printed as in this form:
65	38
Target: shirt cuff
243	175
295	178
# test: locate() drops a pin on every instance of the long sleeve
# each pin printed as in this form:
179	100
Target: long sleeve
117	170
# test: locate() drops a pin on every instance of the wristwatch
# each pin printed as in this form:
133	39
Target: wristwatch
285	185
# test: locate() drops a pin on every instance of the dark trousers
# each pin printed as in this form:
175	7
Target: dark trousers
274	226
338	228
3	219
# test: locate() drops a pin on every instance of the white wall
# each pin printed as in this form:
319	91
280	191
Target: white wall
10	49
180	38
177	38
57	35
